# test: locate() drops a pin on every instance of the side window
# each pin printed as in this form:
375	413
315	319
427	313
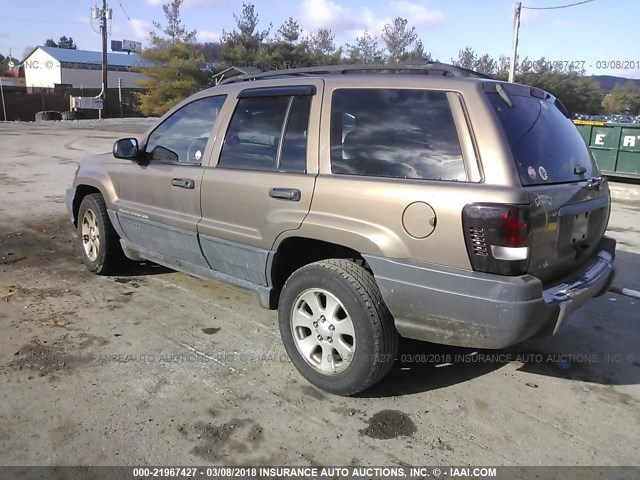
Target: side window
254	139
294	149
183	137
394	133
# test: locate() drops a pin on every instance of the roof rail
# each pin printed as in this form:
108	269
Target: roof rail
431	68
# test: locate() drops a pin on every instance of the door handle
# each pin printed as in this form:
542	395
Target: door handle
292	194
189	183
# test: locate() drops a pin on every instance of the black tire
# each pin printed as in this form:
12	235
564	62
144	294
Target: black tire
48	115
68	115
107	257
375	338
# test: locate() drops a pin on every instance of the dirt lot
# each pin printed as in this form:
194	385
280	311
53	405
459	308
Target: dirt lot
156	367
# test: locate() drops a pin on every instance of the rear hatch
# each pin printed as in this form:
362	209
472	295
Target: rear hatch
569	201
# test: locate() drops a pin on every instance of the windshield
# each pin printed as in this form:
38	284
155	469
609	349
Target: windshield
546	145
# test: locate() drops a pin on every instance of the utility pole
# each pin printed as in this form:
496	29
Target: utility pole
120	97
4	109
103	31
514	45
103	14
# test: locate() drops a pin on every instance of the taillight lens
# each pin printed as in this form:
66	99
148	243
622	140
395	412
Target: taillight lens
498	237
514	226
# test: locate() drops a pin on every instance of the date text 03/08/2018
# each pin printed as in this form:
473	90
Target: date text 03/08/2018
313	472
580	64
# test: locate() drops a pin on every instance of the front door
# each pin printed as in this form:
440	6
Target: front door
159	197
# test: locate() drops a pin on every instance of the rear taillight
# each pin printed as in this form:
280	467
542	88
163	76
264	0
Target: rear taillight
498	237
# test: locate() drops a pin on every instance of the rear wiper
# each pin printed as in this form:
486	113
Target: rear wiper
504	95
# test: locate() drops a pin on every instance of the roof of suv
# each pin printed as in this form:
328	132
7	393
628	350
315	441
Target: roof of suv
429	68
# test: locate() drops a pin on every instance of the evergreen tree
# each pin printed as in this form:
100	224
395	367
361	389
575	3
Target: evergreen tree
64	42
365	50
287	51
175	67
398	38
244	46
321	48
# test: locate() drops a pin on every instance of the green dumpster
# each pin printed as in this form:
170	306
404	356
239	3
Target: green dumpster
616	146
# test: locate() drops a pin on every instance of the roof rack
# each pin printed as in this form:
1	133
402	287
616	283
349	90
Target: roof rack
430	68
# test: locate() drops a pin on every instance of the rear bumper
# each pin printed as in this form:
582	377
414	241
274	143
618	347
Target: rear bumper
592	281
474	309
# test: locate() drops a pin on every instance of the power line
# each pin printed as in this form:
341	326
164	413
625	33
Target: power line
559	6
124	11
516	28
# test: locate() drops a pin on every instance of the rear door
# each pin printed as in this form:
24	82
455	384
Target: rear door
569	200
398	169
262	177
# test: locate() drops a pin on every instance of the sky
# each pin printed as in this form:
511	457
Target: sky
594	34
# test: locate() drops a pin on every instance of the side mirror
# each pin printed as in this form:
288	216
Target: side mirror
126	148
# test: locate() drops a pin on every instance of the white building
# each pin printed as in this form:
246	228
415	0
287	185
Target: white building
48	67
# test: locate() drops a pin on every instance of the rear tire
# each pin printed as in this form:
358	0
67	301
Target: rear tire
336	328
99	242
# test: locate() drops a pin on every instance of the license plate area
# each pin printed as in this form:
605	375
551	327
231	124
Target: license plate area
581	225
579	231
580	228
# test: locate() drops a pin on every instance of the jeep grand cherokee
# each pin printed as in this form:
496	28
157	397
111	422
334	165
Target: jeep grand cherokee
431	203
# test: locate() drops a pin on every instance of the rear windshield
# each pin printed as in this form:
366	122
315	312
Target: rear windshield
546	145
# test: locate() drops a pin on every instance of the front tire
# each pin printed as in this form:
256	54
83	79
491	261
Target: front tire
99	242
335	326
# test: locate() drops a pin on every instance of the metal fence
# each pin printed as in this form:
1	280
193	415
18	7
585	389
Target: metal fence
23	106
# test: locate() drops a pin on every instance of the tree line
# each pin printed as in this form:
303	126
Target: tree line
64	42
181	66
5	69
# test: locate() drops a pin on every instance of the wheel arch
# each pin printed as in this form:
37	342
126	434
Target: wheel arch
82	190
295	252
369	358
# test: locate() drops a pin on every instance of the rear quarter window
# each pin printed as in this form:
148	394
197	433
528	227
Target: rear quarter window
398	133
546	145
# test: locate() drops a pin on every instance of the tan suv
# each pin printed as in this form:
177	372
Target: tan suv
431	203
